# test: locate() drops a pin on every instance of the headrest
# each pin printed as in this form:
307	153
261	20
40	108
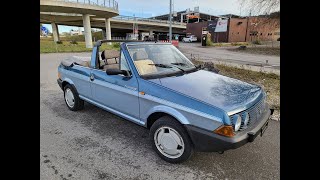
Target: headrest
111	54
140	55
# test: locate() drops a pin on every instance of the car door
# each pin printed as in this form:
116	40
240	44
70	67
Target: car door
117	92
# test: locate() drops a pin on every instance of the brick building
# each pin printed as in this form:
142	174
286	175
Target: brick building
240	29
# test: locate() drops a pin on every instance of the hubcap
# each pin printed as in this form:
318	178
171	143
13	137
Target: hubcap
169	142
68	95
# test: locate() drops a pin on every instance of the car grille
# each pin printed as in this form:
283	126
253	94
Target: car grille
254	111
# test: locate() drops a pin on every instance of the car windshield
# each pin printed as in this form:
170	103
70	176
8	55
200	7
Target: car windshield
159	59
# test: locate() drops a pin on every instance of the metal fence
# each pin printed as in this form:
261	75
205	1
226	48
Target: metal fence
131	18
103	3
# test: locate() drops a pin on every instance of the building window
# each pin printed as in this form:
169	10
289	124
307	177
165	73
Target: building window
238	32
253	33
260	34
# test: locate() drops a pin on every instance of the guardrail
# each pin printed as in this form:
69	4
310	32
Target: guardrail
131	18
103	3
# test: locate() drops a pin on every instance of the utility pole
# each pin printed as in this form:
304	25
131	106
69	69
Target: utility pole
170	20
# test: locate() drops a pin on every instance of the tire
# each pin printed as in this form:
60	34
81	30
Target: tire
172	134
72	100
190	41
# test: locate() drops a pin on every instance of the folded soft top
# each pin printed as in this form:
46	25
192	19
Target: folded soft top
79	60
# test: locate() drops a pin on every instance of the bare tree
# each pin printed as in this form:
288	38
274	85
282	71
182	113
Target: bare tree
261	7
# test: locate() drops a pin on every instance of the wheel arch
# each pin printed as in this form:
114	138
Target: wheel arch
67	81
159	111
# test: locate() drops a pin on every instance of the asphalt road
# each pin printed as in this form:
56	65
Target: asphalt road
95	144
222	54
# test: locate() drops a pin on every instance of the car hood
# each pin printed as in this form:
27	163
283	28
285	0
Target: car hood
220	91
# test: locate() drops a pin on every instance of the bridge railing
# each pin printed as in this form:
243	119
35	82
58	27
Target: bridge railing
103	3
131	18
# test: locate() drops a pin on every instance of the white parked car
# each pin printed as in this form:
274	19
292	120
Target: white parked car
191	38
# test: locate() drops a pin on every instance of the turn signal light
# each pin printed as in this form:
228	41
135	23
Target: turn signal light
225	131
59	75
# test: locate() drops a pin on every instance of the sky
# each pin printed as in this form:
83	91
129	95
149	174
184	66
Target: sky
149	8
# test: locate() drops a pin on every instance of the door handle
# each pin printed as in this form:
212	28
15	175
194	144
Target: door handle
91	77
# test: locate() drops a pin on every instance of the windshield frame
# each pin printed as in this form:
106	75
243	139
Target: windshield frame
166	73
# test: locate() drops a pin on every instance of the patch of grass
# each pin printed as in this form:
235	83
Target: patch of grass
218	44
73	42
269	81
230	44
239	44
48	46
256	42
116	45
208	40
260	50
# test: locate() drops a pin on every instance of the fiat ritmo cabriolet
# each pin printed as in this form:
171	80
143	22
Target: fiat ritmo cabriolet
154	85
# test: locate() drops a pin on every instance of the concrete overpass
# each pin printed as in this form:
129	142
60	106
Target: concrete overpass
100	9
98	14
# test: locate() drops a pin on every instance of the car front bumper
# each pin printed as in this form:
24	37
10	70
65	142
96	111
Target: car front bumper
60	83
208	141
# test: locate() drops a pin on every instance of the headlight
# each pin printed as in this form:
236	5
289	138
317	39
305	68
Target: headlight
246	118
236	122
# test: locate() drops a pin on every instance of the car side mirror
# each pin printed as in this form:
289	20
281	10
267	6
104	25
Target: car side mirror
117	72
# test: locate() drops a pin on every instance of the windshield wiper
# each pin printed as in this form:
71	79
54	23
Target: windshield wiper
182	64
161	65
167	66
182	70
179	64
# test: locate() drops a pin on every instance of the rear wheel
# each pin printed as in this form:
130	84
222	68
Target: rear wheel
170	140
71	97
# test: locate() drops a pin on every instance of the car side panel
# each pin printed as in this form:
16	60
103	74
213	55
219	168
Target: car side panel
79	76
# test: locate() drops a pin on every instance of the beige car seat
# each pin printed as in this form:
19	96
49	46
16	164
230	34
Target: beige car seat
142	62
111	59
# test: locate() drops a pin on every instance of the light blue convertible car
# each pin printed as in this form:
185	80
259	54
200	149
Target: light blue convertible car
154	85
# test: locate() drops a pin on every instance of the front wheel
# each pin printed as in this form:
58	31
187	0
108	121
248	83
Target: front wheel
72	98
170	140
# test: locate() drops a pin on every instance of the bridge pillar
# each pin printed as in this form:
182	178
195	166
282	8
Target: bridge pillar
104	36
150	33
108	29
87	30
55	32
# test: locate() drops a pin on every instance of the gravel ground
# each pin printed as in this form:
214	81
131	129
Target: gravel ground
95	144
